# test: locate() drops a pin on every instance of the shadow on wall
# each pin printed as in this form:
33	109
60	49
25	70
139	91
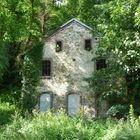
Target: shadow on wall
67	82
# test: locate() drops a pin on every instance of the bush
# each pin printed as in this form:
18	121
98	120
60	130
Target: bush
118	111
56	127
6	112
125	130
31	77
11	94
61	127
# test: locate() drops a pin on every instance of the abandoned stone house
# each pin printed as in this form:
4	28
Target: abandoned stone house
67	61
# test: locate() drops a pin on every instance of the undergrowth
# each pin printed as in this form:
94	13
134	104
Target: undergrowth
61	127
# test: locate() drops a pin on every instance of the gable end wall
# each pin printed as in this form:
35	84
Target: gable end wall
70	67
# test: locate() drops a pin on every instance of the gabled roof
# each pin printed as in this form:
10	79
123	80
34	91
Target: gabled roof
70	22
77	21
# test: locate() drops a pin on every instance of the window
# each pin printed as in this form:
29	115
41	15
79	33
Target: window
58	46
73	104
101	63
88	46
45	102
46	68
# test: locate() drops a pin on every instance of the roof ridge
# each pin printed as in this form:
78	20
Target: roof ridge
69	22
74	19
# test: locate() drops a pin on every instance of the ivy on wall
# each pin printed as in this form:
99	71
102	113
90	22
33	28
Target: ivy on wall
31	71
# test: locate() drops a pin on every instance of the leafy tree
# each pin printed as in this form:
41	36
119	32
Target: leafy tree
63	13
22	23
3	59
26	22
118	21
31	77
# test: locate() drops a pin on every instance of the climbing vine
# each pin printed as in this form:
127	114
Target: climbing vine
31	71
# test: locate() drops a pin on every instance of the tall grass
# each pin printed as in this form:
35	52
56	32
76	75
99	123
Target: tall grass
125	130
61	127
55	127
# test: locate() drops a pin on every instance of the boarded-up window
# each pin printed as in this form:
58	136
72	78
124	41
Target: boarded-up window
46	68
45	102
73	104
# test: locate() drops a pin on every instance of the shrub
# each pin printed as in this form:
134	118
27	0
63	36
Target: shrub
61	127
56	127
31	77
118	111
11	94
6	112
125	130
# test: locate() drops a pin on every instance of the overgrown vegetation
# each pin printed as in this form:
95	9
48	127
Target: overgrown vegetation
61	127
119	83
31	72
25	23
54	127
7	111
125	129
23	27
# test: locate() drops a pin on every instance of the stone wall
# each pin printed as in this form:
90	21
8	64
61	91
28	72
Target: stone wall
70	67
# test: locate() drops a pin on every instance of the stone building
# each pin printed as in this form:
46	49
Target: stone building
67	62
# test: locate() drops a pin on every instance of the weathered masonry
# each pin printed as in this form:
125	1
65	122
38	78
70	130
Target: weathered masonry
67	61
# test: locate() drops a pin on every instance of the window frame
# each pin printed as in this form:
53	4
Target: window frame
51	99
86	48
51	69
67	101
61	48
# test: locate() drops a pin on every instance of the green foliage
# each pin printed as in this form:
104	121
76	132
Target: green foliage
56	127
118	111
22	24
61	127
31	72
7	111
10	94
118	22
82	10
3	59
121	35
111	82
20	18
125	130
